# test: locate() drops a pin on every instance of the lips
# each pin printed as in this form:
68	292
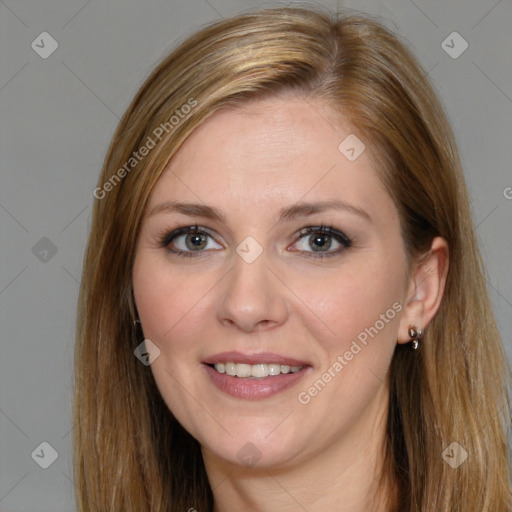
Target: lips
248	376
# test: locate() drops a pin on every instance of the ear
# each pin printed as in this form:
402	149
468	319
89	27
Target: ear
425	289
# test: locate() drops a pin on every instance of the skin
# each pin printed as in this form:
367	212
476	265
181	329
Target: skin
250	162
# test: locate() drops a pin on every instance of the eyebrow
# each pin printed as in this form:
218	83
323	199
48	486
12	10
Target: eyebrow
302	209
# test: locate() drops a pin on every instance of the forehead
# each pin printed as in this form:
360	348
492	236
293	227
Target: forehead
267	153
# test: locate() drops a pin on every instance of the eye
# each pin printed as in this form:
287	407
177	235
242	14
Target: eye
186	241
320	239
316	241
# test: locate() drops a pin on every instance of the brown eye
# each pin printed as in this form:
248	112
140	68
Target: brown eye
196	241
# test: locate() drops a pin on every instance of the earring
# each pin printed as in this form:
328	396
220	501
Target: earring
135	322
416	335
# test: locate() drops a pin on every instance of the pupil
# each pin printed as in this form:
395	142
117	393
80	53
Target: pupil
320	240
196	241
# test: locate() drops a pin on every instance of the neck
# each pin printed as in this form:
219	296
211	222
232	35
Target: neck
345	477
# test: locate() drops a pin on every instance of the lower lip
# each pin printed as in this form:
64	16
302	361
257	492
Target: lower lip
254	389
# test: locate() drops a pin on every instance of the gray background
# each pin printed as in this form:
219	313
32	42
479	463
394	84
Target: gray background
57	117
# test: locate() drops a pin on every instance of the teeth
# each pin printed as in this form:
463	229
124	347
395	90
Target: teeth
274	369
259	370
255	371
243	370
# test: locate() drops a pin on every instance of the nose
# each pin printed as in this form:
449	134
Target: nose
252	298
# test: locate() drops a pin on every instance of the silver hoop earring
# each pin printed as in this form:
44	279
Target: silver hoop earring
416	335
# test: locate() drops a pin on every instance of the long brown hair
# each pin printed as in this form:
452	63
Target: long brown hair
130	454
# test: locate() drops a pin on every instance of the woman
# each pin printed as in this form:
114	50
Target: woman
368	377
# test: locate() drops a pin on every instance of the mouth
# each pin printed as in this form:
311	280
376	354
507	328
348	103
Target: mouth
255	376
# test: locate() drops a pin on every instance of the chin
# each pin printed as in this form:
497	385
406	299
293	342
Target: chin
249	450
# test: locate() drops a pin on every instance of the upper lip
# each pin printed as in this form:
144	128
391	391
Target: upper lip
259	358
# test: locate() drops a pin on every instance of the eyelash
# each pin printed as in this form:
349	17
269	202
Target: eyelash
167	237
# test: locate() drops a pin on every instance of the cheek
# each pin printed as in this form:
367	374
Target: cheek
355	323
172	306
169	302
354	302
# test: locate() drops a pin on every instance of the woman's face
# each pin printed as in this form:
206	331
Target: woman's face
252	283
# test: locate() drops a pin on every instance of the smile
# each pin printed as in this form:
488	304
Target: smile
254	376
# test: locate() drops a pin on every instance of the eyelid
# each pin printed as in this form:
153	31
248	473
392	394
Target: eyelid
326	230
169	235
